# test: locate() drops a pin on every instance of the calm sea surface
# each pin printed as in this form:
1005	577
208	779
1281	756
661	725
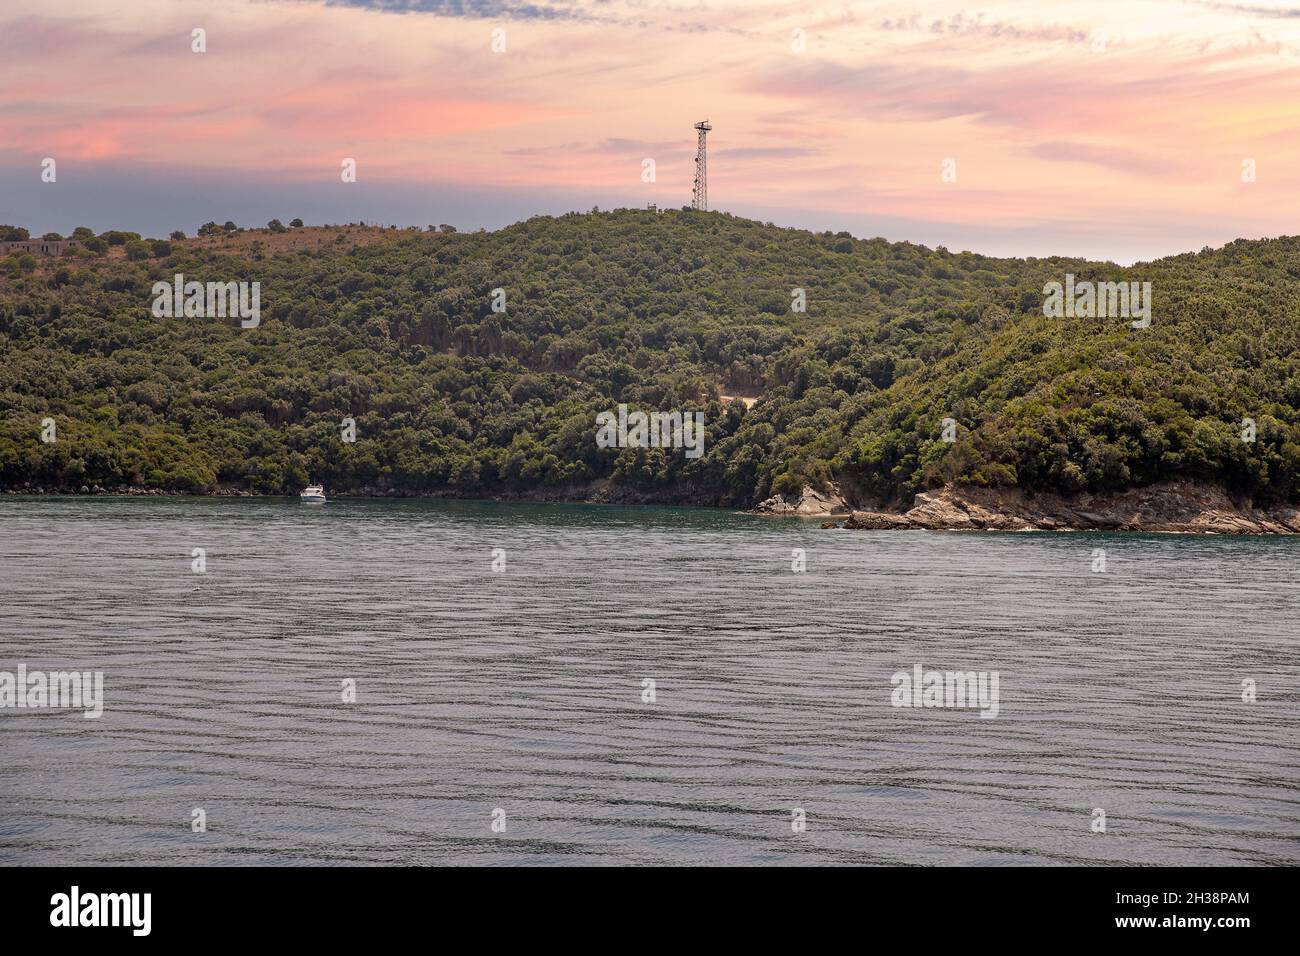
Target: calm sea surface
522	690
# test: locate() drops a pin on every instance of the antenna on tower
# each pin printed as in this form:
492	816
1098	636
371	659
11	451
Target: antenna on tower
700	198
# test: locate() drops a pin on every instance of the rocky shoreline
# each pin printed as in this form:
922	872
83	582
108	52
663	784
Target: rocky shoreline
1176	507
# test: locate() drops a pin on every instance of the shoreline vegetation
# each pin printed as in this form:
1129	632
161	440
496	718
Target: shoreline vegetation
1168	508
925	388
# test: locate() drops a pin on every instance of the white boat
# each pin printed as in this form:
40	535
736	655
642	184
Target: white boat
313	494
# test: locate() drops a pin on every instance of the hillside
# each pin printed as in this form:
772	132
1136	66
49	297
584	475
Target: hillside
666	311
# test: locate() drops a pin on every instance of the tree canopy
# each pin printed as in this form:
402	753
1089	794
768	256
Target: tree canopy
395	329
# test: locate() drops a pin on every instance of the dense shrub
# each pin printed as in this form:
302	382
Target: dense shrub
663	311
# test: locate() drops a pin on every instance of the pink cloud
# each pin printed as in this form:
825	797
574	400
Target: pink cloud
1046	133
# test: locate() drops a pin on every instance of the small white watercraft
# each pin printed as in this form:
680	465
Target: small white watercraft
313	494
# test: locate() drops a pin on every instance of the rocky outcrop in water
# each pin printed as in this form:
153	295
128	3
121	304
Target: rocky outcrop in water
1173	506
809	503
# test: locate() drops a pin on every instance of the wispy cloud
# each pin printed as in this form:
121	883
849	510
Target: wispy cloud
1090	127
1111	157
1254	10
477	9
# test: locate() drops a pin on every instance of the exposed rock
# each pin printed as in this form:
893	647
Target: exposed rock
877	521
1186	507
807	504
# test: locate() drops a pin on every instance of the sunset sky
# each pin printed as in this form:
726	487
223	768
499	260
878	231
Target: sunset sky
1115	130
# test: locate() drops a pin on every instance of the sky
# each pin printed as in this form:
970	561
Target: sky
1112	129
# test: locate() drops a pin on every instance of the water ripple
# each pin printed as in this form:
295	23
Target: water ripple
522	690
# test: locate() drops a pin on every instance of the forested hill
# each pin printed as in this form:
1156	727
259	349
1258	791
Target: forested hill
662	311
